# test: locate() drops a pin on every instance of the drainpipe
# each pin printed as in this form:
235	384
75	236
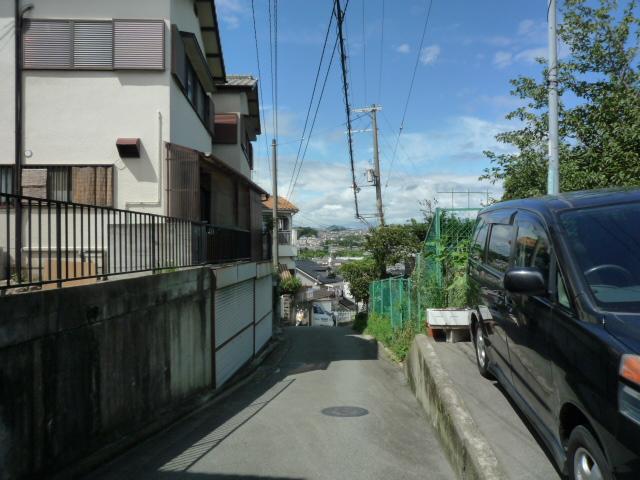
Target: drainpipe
19	15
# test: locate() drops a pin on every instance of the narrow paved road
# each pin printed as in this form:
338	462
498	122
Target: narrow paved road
283	425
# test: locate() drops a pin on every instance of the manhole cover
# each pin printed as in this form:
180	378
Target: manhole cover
345	411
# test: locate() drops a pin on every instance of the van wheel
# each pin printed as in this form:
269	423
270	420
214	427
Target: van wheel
482	358
585	457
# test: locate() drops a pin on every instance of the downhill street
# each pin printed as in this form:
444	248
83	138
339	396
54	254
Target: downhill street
277	425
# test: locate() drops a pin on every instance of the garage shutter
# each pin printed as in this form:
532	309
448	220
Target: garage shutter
93	45
47	44
233	309
139	44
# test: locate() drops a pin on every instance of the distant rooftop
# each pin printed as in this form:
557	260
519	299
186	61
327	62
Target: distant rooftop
241	81
283	205
318	272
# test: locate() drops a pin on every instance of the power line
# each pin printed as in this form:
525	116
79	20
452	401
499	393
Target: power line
407	156
255	36
315	116
413	77
381	55
345	88
364	53
313	93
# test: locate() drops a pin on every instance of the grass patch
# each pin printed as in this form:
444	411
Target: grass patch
378	326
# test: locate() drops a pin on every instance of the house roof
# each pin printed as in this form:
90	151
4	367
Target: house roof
208	18
284	205
248	84
348	304
317	272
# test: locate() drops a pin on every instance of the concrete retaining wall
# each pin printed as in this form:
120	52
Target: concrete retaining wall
469	453
84	367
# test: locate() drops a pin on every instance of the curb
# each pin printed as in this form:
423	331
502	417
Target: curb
469	452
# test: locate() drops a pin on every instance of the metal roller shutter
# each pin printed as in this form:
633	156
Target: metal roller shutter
47	44
139	45
93	45
233	309
263	296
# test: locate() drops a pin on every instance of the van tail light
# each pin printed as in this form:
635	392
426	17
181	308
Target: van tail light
628	397
630	368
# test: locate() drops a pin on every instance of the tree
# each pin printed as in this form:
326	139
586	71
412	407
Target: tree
307	232
391	244
600	132
290	285
359	274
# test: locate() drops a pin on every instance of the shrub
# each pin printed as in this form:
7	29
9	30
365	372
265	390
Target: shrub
290	285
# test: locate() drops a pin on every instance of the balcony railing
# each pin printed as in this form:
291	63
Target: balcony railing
48	241
284	237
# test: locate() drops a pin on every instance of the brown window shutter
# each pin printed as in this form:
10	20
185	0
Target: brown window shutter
83	185
226	128
104	186
93	45
183	182
178	57
138	45
34	182
47	44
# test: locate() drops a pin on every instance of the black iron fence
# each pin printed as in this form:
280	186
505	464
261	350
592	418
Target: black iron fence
48	241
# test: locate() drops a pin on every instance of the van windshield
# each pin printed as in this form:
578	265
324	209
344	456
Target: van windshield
606	244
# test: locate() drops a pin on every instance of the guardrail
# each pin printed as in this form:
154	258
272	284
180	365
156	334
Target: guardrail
48	241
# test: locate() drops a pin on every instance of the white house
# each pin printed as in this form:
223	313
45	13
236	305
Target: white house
287	235
121	103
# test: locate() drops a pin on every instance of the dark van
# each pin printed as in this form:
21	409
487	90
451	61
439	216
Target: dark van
556	282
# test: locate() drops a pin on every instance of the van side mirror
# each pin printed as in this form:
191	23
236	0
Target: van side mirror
525	280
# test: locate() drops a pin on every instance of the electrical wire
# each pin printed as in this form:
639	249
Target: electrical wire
413	77
255	36
313	93
381	55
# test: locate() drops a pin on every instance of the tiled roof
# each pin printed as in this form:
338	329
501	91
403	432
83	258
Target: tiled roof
240	81
283	204
318	272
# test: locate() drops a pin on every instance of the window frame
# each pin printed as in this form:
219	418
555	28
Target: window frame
480	224
513	230
537	222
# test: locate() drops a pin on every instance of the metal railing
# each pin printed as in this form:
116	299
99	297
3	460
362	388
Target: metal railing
47	241
284	237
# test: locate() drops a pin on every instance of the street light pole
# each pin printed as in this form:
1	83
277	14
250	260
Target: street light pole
553	176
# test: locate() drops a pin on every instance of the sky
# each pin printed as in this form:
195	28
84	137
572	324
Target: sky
458	103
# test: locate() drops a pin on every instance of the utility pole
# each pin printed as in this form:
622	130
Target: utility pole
553	176
274	228
372	110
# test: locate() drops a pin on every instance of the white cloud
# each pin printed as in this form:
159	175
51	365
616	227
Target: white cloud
526	26
404	48
531	54
502	59
498	41
230	12
429	54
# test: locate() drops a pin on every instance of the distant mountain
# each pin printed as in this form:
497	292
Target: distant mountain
336	228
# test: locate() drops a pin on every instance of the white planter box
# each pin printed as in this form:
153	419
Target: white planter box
449	317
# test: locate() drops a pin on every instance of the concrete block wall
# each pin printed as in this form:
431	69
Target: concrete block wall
83	367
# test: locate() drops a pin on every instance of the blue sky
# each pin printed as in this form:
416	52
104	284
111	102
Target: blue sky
459	99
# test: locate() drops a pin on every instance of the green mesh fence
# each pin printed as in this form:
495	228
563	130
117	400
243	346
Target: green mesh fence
438	280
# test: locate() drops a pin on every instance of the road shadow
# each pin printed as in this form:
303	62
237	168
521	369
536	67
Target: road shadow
171	453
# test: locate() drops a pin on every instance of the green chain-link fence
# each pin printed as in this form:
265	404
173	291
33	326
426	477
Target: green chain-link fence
438	279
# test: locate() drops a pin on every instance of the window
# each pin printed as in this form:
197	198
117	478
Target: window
500	246
93	45
6	179
90	185
532	245
479	240
563	297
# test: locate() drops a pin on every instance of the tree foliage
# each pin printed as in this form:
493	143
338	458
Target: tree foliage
290	285
307	232
359	274
391	244
599	83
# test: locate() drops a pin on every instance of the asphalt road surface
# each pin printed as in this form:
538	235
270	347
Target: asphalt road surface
323	406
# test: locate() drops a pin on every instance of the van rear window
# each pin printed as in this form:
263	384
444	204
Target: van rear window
500	246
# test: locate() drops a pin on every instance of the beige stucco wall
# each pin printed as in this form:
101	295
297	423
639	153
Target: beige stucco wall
233	155
75	117
7	91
